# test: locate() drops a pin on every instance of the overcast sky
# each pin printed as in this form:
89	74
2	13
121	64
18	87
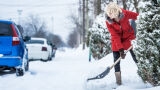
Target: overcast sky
58	9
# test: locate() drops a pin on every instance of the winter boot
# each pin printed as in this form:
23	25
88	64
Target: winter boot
118	78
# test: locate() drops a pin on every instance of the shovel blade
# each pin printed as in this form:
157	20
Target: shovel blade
102	75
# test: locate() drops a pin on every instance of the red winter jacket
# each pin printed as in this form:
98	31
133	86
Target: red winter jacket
121	33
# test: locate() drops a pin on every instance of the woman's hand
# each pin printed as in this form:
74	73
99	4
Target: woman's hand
122	54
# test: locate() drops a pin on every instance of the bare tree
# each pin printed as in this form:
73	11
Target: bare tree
131	2
84	26
79	18
40	33
136	2
55	40
97	7
124	2
34	26
78	23
77	27
72	41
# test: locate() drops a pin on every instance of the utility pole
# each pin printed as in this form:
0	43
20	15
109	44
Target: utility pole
87	23
52	24
87	17
80	20
84	31
19	18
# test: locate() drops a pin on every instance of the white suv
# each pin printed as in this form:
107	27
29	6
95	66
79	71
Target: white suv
39	49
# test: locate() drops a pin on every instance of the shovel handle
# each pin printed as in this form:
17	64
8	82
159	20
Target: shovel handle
121	57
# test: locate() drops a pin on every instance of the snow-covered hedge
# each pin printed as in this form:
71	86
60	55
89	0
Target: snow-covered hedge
99	38
147	46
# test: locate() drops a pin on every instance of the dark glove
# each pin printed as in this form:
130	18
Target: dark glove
122	54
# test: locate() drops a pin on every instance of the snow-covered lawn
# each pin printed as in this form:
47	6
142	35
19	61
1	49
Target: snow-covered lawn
69	70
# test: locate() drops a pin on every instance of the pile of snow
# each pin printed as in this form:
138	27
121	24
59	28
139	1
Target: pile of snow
69	71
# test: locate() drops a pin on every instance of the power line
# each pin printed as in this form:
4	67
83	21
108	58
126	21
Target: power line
38	5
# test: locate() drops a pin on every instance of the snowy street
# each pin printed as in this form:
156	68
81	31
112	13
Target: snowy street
68	71
63	73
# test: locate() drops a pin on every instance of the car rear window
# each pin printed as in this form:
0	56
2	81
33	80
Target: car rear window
5	29
35	42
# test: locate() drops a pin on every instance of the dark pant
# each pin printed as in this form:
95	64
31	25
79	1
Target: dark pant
116	55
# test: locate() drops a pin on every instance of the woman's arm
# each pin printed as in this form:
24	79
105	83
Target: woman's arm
131	15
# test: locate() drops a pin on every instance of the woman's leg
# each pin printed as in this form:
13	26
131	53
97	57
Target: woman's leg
116	55
133	56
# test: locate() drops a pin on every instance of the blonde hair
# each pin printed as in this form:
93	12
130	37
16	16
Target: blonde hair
113	8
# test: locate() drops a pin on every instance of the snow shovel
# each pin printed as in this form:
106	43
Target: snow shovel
103	74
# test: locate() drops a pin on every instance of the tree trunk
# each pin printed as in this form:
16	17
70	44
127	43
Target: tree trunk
80	21
87	19
97	7
124	4
84	31
136	5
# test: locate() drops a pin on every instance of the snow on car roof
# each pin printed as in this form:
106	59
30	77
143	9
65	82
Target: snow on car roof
34	38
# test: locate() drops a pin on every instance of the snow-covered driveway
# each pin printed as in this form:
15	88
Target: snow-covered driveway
68	72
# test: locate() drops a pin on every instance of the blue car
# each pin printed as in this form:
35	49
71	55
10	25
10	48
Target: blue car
13	51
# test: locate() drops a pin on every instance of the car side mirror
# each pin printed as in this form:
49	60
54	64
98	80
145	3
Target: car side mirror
55	48
26	38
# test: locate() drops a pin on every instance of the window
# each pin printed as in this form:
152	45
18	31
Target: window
5	29
35	42
17	30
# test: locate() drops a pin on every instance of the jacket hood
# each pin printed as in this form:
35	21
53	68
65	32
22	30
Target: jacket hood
110	21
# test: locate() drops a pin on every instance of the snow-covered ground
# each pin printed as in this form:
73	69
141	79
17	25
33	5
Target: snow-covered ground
69	70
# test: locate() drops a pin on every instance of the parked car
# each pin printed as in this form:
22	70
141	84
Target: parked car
13	51
54	48
39	49
50	45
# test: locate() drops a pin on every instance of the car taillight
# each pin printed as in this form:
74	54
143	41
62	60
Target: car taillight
15	40
44	48
55	48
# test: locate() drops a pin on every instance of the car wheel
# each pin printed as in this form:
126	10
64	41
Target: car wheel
50	58
44	60
53	55
27	66
19	72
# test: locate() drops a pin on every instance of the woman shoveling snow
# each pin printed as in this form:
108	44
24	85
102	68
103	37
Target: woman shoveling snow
117	21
